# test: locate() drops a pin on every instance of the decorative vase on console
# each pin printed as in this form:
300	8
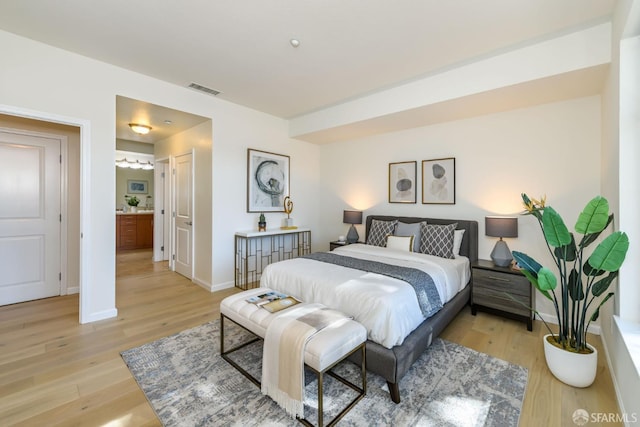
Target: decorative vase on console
262	223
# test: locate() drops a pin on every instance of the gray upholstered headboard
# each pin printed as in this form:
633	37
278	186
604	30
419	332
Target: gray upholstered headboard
469	247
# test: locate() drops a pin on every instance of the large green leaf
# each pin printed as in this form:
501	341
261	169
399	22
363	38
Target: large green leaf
590	271
603	284
593	219
546	279
526	262
596	313
534	282
575	286
610	253
567	252
555	231
588	239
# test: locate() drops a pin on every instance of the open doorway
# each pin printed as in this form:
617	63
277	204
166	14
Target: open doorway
170	134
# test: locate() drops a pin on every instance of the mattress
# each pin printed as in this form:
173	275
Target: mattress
387	307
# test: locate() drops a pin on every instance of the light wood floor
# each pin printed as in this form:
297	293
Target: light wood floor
54	371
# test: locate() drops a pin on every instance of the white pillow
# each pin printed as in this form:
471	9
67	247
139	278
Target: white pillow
401	243
457	241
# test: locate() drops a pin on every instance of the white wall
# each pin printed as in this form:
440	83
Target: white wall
621	132
38	78
230	183
123	175
552	149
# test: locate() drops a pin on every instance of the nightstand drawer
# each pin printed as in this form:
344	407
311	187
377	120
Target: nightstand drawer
501	282
502	291
500	301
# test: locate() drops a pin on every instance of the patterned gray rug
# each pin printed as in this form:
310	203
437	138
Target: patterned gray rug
189	384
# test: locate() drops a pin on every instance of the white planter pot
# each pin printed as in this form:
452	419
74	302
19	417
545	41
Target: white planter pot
574	369
133	209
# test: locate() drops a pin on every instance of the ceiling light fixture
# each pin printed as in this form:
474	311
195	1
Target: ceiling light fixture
294	42
135	165
138	128
124	163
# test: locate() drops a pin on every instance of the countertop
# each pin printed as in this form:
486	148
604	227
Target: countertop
139	212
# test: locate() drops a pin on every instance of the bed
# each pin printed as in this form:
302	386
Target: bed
400	324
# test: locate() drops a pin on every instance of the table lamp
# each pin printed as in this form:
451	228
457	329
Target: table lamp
500	226
352	217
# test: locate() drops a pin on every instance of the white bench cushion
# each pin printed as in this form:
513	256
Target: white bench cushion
325	348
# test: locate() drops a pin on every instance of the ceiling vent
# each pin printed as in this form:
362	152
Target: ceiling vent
204	89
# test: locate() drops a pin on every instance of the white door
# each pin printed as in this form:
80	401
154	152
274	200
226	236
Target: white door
183	179
29	216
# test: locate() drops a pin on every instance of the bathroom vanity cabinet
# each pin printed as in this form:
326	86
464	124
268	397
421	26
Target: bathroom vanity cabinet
134	230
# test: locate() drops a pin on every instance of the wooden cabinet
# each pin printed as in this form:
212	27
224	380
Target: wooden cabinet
144	231
502	291
134	231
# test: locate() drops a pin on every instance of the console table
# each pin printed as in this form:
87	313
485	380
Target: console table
254	250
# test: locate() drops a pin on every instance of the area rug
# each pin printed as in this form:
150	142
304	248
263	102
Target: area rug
188	384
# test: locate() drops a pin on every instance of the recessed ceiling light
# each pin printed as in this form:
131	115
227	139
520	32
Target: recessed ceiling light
294	42
138	128
168	122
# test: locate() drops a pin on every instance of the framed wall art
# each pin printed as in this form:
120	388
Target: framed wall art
267	181
439	181
137	187
402	182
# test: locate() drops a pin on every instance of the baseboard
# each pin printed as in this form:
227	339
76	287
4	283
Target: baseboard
100	315
551	318
202	284
221	286
614	378
73	290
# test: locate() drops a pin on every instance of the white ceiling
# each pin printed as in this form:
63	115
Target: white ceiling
348	48
164	121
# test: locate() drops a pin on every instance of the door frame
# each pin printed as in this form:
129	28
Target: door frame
162	210
64	195
173	204
85	196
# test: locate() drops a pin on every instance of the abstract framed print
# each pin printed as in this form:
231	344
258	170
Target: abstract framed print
267	181
402	182
439	181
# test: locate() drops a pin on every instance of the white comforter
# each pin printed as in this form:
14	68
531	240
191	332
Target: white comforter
387	307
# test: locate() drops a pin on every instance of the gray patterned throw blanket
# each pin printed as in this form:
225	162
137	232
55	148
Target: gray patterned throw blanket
428	297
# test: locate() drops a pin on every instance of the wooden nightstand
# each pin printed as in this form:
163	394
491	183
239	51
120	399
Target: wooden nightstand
490	286
337	244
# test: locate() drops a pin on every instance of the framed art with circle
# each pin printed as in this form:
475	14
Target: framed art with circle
267	181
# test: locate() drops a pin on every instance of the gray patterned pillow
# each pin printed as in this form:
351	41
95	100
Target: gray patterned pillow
379	231
437	240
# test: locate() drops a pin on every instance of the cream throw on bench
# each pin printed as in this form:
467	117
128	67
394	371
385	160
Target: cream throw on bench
283	354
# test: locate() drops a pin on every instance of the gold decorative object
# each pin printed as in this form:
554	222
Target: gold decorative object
288	221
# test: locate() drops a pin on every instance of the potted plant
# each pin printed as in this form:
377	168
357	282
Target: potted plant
132	201
582	281
262	222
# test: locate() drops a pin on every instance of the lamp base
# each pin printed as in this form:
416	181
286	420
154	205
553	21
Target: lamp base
501	255
352	235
